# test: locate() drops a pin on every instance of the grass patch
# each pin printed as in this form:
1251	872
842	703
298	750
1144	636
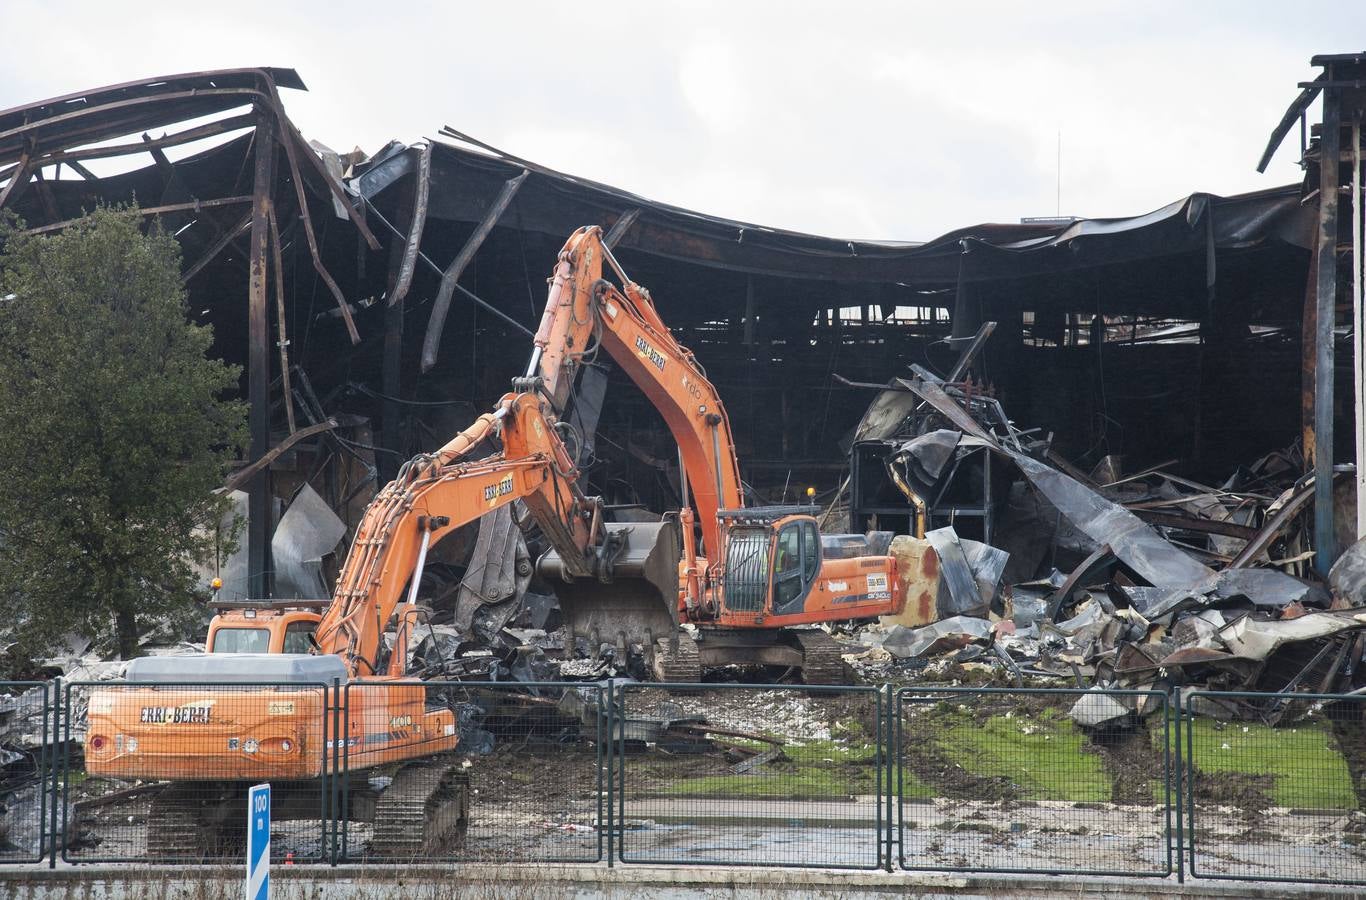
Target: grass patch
818	769
1306	768
1041	756
802	783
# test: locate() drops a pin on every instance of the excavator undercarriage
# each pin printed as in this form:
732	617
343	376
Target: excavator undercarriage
423	811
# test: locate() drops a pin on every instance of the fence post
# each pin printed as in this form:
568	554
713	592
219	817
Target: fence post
51	763
610	821
619	737
64	748
335	796
888	740
1177	768
1187	750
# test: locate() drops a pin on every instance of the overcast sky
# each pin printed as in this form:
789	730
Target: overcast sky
895	120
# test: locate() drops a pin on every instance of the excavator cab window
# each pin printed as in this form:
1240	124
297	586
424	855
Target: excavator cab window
747	569
297	636
811	551
241	640
795	566
787	567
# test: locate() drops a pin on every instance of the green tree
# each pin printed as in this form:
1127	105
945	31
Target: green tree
114	431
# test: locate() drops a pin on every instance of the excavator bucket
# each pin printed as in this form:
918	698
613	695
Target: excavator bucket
639	604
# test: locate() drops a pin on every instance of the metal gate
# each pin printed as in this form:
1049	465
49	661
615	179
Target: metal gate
27	707
1004	780
1269	793
794	788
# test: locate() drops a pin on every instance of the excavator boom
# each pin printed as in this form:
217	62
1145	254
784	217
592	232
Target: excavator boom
585	312
435	494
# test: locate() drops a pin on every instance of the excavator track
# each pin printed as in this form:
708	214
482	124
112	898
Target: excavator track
822	662
683	666
183	824
424	811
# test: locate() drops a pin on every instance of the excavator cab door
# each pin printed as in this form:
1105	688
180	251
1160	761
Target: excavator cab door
796	562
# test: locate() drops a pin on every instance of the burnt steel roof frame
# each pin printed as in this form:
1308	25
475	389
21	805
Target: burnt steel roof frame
556	203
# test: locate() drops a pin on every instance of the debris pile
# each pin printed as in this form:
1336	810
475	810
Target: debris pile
1164	581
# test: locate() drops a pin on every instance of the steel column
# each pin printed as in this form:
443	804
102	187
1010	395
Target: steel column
1325	265
391	368
258	358
1358	332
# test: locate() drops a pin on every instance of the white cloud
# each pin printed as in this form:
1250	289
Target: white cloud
874	119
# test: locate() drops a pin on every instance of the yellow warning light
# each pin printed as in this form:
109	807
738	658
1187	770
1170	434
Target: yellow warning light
216	584
810	492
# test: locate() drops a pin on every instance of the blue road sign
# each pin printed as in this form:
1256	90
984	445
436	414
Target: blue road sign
258	843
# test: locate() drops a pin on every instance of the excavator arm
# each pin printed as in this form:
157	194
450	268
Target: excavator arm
584	312
437	493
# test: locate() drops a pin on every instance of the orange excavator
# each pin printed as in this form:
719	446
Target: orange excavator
185	720
742	576
746	575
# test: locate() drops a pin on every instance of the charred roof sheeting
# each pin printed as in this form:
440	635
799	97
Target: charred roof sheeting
465	182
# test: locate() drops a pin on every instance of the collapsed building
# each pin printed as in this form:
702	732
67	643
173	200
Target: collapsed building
378	302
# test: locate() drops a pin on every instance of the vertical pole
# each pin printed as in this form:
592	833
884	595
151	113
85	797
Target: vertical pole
619	723
391	369
341	702
327	789
258	359
963	320
986	497
1358	326
749	315
893	760
45	779
393	386
64	749
785	448
1175	781
1326	266
1308	330
610	821
1208	328
55	769
345	769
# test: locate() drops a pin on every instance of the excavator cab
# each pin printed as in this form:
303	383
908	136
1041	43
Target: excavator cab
773	555
262	626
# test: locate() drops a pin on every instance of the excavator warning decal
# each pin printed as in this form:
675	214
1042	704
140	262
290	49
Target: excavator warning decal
501	489
650	353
